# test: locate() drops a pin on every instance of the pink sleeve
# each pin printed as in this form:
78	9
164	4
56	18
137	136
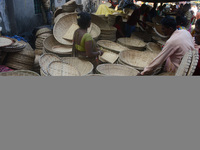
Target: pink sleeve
167	51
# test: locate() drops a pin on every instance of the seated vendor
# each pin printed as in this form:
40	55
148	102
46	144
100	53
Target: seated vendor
84	46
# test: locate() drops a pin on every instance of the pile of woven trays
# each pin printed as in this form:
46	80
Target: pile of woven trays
41	35
53	65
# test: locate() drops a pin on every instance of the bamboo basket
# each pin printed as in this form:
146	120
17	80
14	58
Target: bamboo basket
61	27
45	60
43	30
109	57
136	44
51	42
62	15
19	73
99	22
137	59
18	66
185	64
83	66
116	70
59	68
57	12
113	46
153	47
4	41
15	47
158	30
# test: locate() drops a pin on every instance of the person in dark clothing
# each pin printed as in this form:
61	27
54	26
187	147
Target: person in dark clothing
153	12
118	24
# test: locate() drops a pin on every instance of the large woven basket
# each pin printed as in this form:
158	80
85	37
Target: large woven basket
62	15
15	47
19	73
59	68
83	66
45	60
137	59
116	70
62	26
136	44
113	46
51	42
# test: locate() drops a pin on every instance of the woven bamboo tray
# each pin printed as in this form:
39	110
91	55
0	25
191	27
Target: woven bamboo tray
15	47
44	35
137	59
153	47
158	30
136	44
109	57
4	41
19	73
185	64
62	15
99	22
21	59
43	30
194	62
46	59
62	49
116	70
51	42
83	66
113	46
59	68
18	66
166	74
57	12
61	27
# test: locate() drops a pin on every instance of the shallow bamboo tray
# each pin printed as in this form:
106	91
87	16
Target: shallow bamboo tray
43	30
19	73
137	59
46	59
83	66
4	41
59	68
113	46
116	70
153	47
99	22
136	44
109	57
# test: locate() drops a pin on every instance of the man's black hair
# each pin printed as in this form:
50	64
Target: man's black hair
182	21
83	20
169	22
